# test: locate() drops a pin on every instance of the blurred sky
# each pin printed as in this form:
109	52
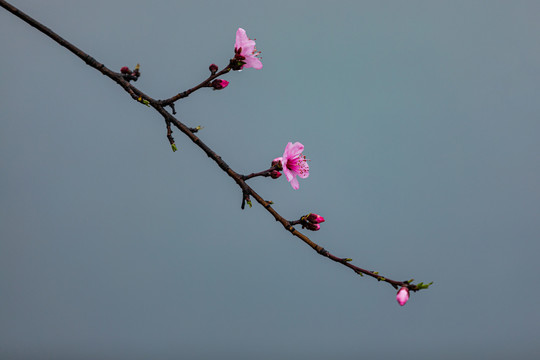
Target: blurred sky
421	122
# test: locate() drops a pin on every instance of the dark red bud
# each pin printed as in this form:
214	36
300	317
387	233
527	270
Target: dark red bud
312	227
275	174
315	219
125	70
219	84
213	68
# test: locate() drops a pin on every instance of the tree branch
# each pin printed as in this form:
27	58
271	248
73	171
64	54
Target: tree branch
159	106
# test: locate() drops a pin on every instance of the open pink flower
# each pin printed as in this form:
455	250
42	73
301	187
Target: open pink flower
245	51
294	163
402	296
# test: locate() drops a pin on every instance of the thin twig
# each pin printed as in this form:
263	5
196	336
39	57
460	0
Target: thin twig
205	83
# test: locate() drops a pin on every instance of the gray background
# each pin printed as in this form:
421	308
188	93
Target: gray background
421	123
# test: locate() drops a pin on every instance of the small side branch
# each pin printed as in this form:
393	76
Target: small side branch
169	135
205	83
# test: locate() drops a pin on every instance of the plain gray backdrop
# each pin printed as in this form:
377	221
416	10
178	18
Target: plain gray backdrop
421	120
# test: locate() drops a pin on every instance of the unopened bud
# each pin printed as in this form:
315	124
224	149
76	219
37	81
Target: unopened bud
402	296
315	219
213	68
275	174
312	227
125	70
219	84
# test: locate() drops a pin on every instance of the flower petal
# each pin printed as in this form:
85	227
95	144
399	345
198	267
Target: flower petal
295	149
294	183
286	152
241	38
288	173
242	41
252	61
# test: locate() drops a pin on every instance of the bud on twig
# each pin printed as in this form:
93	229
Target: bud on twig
219	84
129	75
275	174
402	296
312	227
315	219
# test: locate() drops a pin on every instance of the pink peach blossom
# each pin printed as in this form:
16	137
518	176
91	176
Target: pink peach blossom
402	296
294	163
245	51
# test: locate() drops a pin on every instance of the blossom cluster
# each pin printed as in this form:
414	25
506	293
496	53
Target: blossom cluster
312	222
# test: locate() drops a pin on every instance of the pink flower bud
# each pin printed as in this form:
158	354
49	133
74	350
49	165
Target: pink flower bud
312	227
275	174
402	296
125	70
213	68
315	219
219	84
